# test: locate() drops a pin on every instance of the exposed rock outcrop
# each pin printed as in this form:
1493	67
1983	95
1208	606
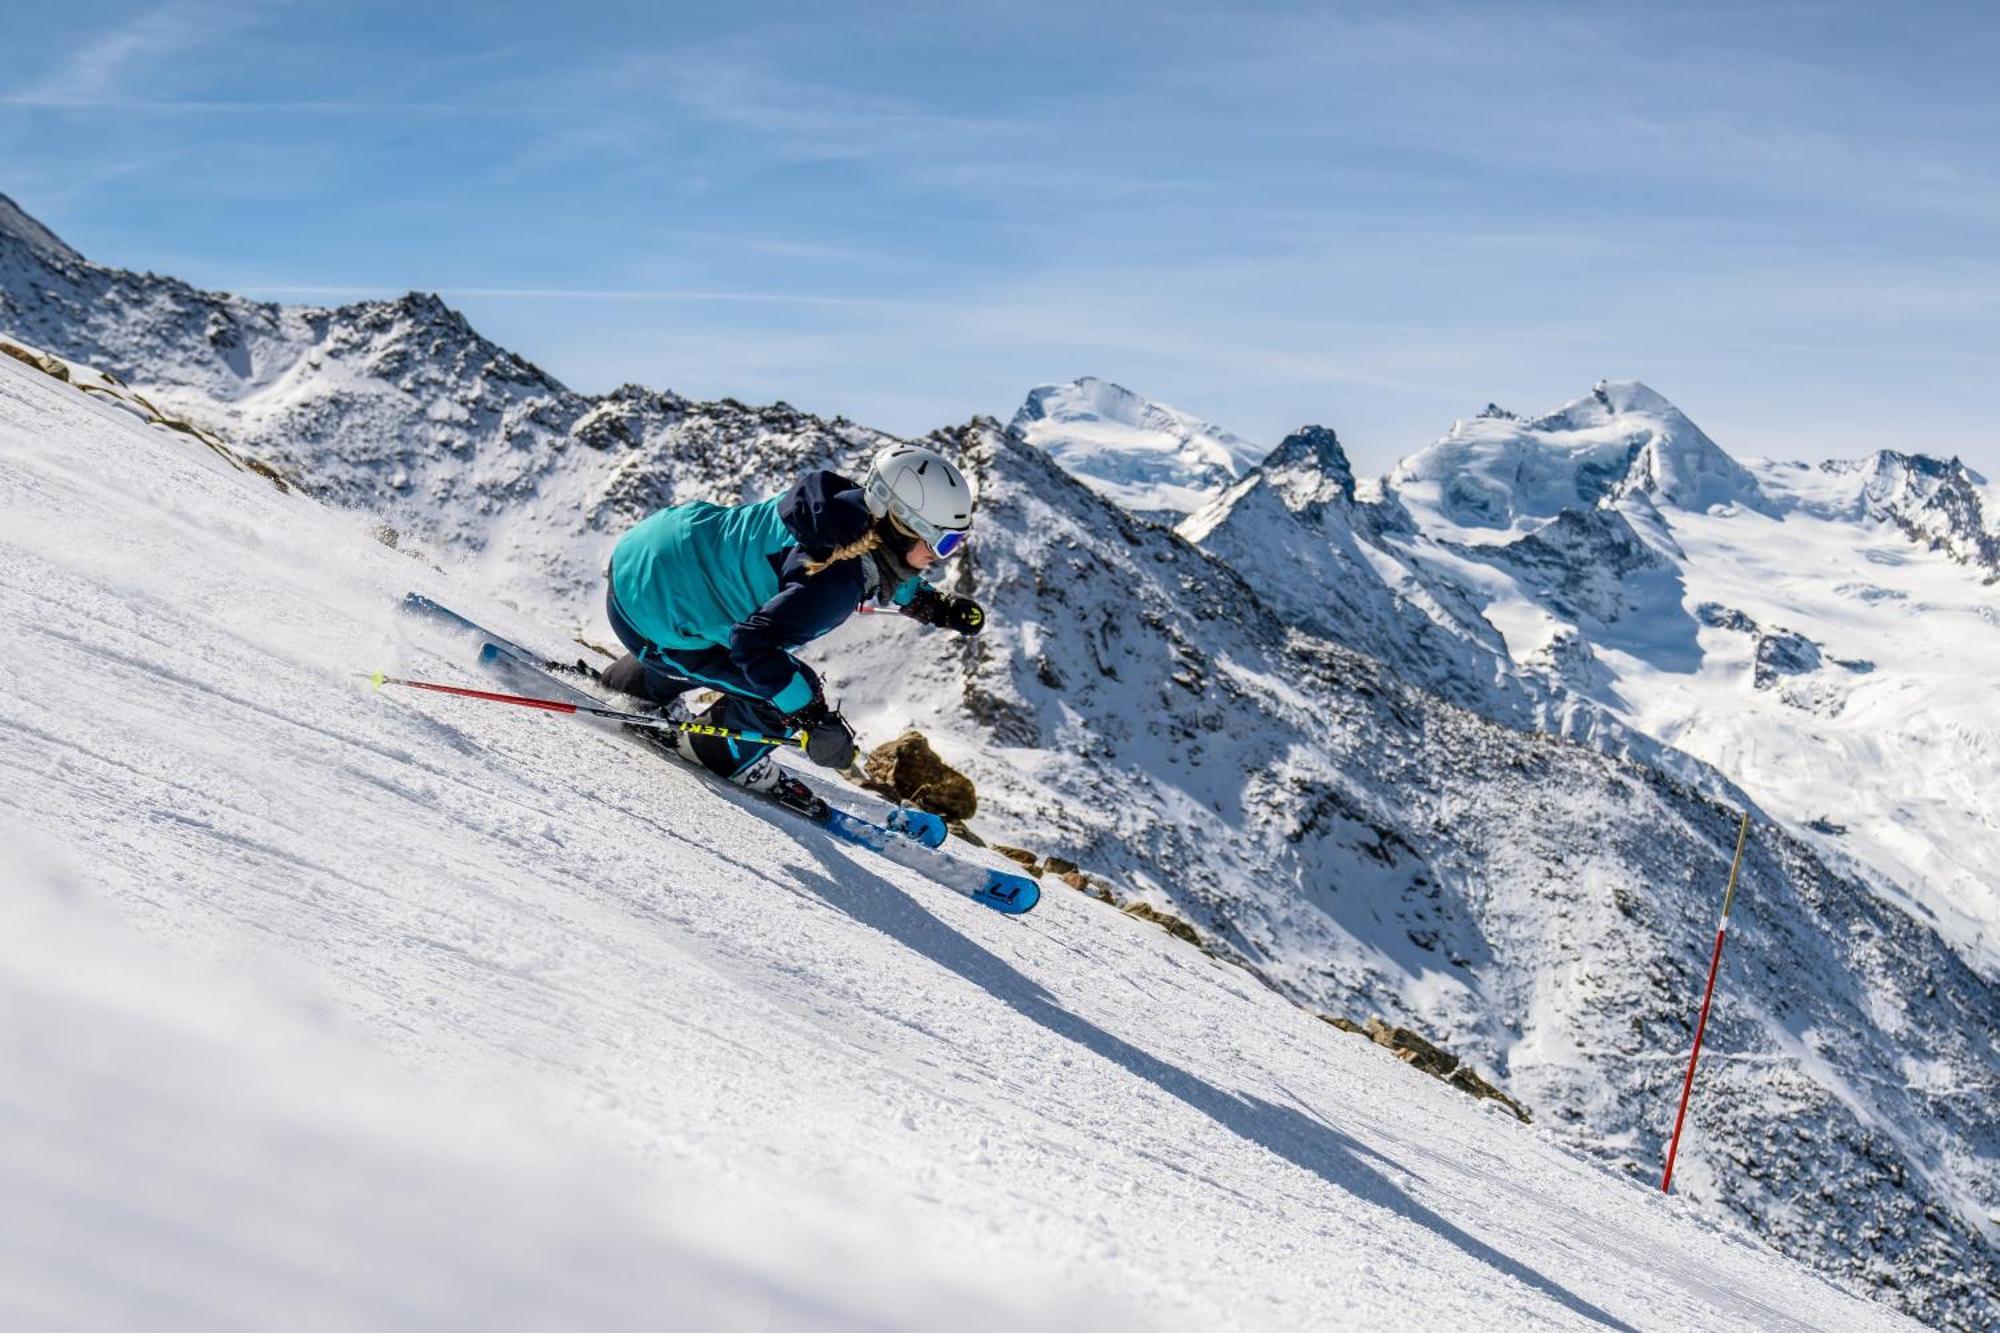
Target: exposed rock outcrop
908	770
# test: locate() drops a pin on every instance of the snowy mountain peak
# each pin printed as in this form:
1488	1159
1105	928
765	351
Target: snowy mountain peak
1309	468
1633	396
417	333
17	226
429	308
1315	447
1498	476
1678	463
1305	474
1891	473
1941	505
413	312
1150	459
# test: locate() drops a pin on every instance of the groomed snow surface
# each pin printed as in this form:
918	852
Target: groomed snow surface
322	1008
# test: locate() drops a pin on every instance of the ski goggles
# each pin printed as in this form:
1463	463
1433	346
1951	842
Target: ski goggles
944	542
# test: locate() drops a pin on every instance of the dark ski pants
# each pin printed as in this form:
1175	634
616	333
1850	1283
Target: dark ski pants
651	672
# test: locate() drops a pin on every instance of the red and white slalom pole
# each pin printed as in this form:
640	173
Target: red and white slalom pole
1701	1024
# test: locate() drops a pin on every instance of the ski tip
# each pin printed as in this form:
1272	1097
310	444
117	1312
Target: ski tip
1009	893
378	679
925	827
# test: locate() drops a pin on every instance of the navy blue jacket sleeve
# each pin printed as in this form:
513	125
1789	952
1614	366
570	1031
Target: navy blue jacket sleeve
805	607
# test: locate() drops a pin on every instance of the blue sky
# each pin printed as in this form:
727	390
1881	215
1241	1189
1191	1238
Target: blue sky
1374	216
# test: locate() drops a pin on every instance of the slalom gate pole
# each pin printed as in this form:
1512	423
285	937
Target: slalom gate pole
590	710
1701	1024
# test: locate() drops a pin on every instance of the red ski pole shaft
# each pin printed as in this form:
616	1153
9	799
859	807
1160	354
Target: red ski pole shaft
491	696
1707	995
588	710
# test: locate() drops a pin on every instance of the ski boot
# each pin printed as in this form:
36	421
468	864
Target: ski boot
767	777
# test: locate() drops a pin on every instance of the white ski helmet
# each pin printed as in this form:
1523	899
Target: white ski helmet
924	492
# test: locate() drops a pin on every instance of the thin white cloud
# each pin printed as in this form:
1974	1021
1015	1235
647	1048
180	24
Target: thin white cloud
105	67
812	118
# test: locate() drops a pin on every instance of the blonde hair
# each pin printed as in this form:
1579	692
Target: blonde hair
861	545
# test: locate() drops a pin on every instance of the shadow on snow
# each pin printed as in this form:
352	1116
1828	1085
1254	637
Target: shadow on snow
1301	1139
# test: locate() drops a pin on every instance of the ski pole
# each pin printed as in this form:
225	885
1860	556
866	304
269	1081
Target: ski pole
1701	1024
591	710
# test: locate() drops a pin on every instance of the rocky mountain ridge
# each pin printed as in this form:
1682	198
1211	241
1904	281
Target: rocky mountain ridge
1940	504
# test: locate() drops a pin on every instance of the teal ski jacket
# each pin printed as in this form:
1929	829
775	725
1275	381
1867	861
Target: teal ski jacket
700	576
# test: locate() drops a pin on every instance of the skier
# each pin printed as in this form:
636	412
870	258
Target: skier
719	596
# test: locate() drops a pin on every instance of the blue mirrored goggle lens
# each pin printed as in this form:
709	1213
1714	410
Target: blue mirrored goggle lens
947	544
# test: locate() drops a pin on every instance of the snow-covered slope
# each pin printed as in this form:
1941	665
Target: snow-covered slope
1843	673
1276	777
1148	458
341	1010
1820	634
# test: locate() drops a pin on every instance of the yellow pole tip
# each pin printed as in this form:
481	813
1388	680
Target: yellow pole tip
379	679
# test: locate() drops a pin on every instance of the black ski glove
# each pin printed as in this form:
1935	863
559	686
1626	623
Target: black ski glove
829	740
946	611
